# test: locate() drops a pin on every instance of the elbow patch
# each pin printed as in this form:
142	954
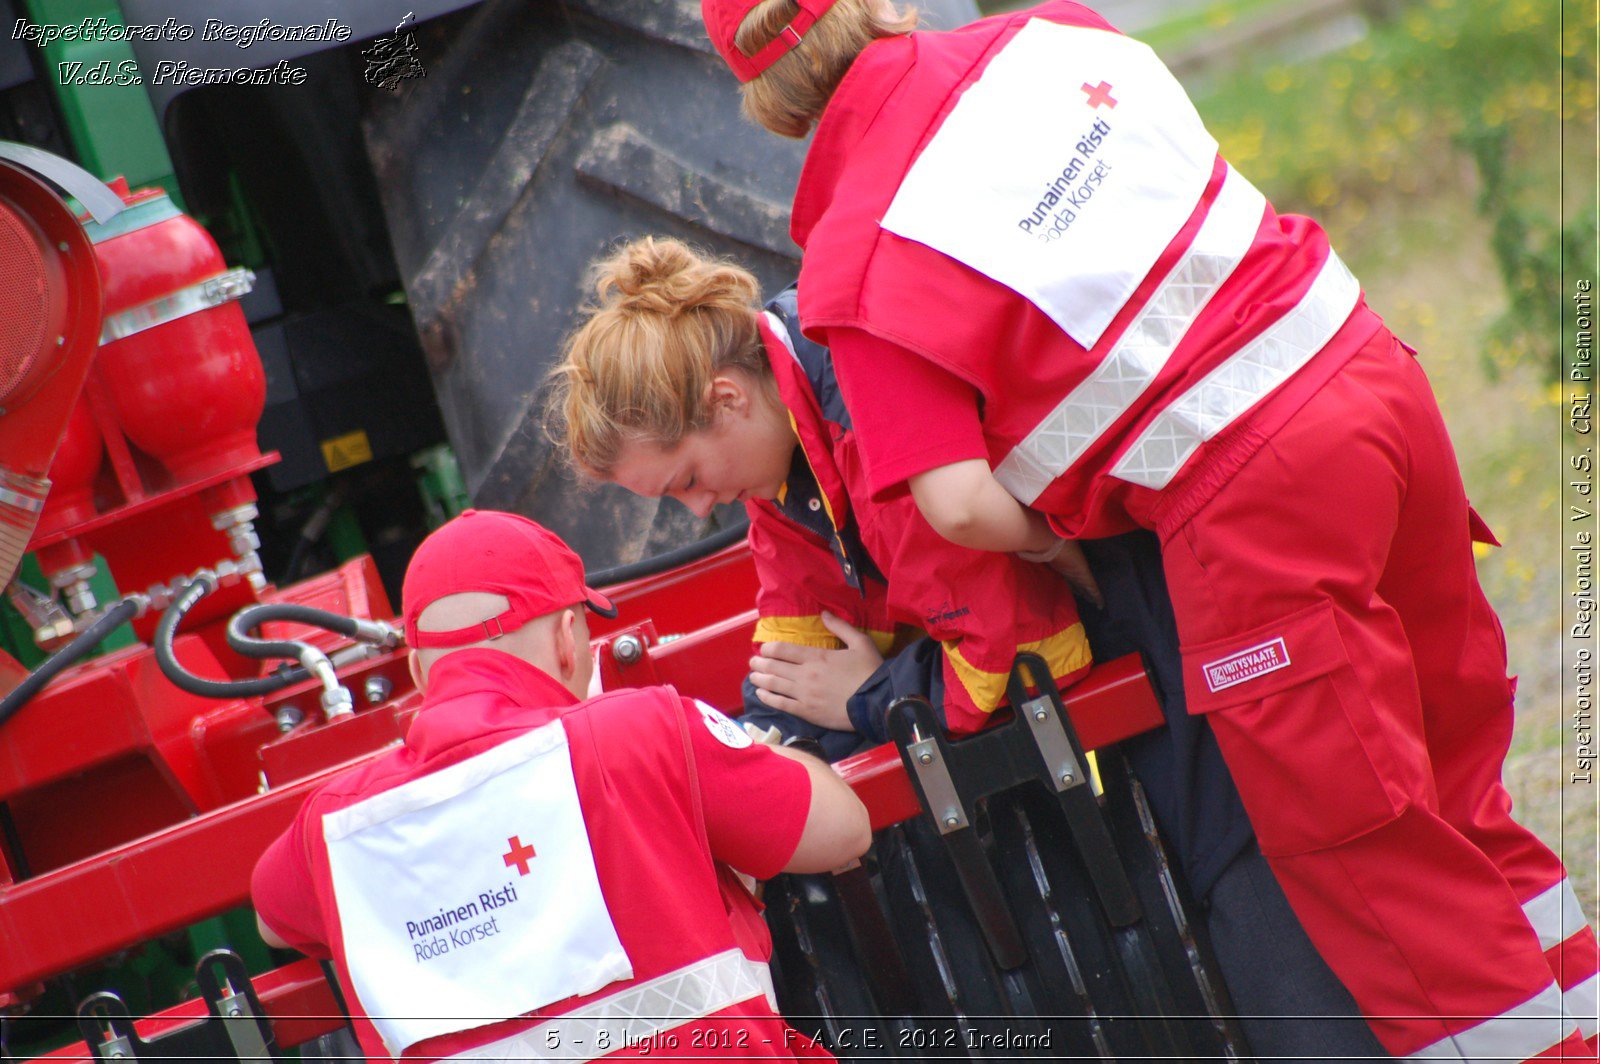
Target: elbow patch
1066	652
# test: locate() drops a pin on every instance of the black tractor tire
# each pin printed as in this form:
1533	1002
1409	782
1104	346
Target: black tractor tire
542	135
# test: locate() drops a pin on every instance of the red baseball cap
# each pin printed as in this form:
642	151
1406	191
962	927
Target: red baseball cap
722	22
501	553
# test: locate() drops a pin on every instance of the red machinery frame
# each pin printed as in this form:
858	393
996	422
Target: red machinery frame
694	627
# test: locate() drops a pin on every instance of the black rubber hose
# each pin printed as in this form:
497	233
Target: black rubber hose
247	620
181	677
660	563
68	655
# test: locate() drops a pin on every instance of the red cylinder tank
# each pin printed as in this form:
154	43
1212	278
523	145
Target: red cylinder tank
72	472
176	350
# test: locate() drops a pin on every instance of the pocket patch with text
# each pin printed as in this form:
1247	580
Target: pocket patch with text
1246	665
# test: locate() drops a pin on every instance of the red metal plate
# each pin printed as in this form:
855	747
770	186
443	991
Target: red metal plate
49	285
32	303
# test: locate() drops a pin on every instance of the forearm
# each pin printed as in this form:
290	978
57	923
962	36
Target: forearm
967	506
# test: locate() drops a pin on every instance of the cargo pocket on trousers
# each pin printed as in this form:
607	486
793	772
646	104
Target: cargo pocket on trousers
1309	755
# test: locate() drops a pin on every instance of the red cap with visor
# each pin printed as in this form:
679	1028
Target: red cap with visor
502	554
722	22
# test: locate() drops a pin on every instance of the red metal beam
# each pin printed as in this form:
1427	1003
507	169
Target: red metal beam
127	895
163	881
167	880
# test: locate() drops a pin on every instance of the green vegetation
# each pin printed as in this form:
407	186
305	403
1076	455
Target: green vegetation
1191	28
1445	86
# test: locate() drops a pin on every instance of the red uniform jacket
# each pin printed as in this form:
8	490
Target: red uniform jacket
827	544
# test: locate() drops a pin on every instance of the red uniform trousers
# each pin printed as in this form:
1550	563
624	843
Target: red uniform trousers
1335	632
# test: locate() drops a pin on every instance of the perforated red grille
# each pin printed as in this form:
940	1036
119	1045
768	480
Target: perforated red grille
24	302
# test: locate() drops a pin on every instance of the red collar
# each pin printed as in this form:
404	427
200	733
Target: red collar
471	689
810	426
854	106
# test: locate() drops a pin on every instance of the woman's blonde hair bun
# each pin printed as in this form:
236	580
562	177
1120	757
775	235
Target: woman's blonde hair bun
665	320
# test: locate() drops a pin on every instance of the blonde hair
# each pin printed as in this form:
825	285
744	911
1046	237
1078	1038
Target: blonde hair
788	97
666	321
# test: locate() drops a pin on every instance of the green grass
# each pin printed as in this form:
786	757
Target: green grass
1450	95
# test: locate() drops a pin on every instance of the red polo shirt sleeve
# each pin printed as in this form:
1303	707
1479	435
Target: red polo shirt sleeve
755	802
283	894
909	415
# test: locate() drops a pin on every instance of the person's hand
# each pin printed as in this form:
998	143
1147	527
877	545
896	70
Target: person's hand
1072	565
812	683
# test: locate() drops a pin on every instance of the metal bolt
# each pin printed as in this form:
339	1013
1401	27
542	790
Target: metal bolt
926	758
1039	714
336	702
814	504
73	574
951	821
628	649
377	689
1066	777
81	597
243	539
238	523
289	718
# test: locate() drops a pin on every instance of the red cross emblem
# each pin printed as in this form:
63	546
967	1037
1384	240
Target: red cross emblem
518	855
1099	95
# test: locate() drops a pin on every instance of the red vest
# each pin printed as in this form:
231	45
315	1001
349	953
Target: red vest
697	948
1030	203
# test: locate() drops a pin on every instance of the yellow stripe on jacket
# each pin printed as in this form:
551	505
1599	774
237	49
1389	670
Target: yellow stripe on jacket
1066	652
809	631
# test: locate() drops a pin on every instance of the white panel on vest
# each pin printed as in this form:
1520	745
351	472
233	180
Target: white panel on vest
470	895
1063	172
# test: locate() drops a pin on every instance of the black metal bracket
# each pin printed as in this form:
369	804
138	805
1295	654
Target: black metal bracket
884	966
1038	745
236	1029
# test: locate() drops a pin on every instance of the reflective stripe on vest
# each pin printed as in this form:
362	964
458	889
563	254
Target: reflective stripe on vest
1116	384
638	1013
1582	1003
1556	914
1517	1034
1242	381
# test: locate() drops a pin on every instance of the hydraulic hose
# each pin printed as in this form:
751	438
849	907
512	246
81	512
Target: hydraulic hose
336	700
68	655
181	677
250	618
660	563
